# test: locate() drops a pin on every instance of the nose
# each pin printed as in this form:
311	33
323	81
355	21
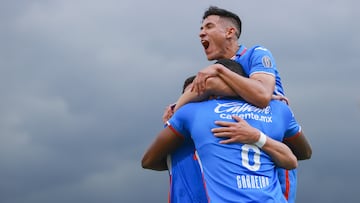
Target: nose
202	33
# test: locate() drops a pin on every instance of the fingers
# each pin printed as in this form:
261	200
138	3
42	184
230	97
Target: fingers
285	99
195	86
228	141
220	132
281	98
224	123
225	135
237	118
199	84
167	113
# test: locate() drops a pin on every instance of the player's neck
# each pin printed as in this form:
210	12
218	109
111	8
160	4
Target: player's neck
232	50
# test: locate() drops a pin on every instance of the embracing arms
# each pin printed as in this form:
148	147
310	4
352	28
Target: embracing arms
257	89
279	152
298	144
218	80
165	143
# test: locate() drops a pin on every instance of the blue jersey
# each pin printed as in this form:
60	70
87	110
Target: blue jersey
236	172
258	59
186	183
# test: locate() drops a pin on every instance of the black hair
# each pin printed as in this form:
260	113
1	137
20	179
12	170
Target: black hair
232	65
228	63
187	82
235	19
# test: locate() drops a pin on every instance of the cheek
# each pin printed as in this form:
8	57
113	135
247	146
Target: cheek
218	39
217	45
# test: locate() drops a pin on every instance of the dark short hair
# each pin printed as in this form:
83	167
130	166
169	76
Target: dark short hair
232	65
228	63
187	82
235	19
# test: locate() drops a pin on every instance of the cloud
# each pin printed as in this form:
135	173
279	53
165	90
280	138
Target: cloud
84	85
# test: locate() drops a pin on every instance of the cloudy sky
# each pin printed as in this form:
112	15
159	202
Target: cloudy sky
84	83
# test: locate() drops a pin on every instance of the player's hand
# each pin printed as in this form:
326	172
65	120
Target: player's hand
199	83
169	111
281	98
236	132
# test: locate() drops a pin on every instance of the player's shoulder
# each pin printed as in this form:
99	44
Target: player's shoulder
260	52
279	105
192	107
259	48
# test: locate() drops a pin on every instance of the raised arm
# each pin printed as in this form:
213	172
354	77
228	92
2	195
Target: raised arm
257	89
214	86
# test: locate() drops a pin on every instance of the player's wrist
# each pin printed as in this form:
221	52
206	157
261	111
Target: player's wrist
219	68
261	141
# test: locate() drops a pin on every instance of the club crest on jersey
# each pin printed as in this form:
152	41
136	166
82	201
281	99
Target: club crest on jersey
266	61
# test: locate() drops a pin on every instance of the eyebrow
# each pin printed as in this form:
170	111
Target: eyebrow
206	25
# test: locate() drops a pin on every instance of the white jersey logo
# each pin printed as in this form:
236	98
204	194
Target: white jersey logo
266	61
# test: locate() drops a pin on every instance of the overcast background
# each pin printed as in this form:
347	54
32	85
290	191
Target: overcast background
84	83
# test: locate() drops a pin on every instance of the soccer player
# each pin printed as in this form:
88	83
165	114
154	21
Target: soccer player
219	34
241	172
186	183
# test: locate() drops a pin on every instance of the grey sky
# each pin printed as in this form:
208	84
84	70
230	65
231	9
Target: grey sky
84	84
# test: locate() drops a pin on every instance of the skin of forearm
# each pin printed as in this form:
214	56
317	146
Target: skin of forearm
252	91
190	96
214	86
164	144
159	166
299	146
280	153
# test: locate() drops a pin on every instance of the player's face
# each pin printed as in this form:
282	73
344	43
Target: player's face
213	37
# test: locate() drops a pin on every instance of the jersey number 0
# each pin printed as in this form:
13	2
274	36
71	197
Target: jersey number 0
246	149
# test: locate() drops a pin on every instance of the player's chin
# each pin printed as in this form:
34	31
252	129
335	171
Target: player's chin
210	56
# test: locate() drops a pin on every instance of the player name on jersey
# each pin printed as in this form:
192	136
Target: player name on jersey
252	181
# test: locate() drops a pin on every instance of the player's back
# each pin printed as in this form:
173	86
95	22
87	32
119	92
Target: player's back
234	172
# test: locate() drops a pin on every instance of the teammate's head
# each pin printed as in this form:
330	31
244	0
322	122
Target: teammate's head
228	63
187	82
219	33
232	65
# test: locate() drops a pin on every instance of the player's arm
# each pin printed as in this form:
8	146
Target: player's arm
280	153
257	89
214	86
165	143
299	145
242	132
235	132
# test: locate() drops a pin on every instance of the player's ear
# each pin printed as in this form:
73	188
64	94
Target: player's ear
231	31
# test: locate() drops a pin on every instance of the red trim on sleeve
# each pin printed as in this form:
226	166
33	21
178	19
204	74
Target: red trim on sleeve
287	185
207	195
175	132
292	137
194	156
169	193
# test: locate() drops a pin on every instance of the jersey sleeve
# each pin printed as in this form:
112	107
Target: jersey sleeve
262	61
293	126
179	122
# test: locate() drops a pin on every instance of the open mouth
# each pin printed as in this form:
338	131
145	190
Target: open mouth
205	44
